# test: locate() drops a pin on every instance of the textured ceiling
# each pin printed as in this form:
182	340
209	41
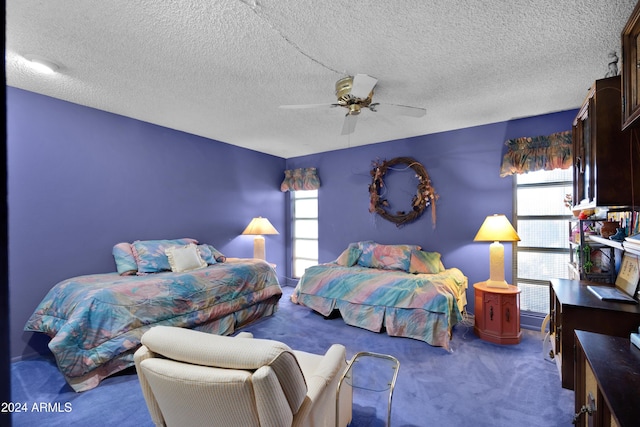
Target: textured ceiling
220	69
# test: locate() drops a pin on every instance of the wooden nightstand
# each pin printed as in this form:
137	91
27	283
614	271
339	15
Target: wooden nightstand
497	317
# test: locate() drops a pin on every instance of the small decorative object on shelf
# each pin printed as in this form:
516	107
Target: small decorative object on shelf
609	228
612	67
619	236
587	263
568	200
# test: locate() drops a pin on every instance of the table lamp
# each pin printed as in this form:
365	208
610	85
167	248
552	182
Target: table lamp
496	228
258	227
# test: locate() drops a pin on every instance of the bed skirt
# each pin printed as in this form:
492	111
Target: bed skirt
430	327
225	325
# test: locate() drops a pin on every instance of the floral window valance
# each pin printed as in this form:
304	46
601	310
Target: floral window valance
531	154
300	179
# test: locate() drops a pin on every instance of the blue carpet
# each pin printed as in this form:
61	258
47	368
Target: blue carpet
477	384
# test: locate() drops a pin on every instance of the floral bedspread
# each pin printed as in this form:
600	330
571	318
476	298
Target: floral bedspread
95	318
419	306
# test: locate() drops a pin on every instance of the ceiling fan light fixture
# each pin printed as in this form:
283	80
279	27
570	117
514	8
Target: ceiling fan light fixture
354	109
343	87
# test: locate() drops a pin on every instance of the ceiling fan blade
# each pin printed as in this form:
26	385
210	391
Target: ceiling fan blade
404	110
349	124
362	85
307	106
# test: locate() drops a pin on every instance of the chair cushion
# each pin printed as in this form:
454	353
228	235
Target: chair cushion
200	348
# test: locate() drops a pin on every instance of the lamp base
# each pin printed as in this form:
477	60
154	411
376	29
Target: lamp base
496	284
258	248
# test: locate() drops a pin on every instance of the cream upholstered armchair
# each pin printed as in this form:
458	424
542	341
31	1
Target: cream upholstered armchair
200	379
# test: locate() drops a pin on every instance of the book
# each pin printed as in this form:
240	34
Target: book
633	241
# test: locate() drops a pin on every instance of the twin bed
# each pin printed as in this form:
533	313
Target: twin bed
397	288
96	321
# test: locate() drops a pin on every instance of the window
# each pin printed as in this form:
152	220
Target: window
542	224
304	230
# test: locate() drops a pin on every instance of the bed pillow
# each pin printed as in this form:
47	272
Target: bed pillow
206	255
184	258
386	257
349	256
125	261
150	254
425	262
217	255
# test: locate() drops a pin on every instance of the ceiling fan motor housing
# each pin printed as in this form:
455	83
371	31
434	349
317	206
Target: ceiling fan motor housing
346	99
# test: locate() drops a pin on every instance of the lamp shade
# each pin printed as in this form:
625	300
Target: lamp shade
260	226
496	228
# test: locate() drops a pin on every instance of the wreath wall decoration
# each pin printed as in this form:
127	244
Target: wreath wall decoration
424	197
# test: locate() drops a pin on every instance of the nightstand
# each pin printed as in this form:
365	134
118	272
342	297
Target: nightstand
497	316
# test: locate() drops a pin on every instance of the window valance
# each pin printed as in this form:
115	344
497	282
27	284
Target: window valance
531	154
300	179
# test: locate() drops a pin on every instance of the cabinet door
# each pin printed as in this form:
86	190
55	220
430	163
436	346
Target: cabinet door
630	74
582	158
492	313
511	321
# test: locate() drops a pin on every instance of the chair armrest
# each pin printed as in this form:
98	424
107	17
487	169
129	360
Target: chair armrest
329	370
322	386
332	364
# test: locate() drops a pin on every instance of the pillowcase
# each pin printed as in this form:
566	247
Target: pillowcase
184	258
150	254
386	257
217	255
125	261
425	262
349	256
206	255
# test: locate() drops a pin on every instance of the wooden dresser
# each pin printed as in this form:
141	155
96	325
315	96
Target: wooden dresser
607	381
574	307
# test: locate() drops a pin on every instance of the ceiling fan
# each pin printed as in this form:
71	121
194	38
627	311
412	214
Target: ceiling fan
355	93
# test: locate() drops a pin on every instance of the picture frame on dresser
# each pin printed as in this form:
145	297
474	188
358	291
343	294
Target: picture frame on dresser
629	275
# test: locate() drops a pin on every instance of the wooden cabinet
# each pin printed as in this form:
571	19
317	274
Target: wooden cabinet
607	381
601	150
630	74
573	307
497	317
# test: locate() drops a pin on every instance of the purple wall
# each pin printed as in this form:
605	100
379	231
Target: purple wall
464	169
81	180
